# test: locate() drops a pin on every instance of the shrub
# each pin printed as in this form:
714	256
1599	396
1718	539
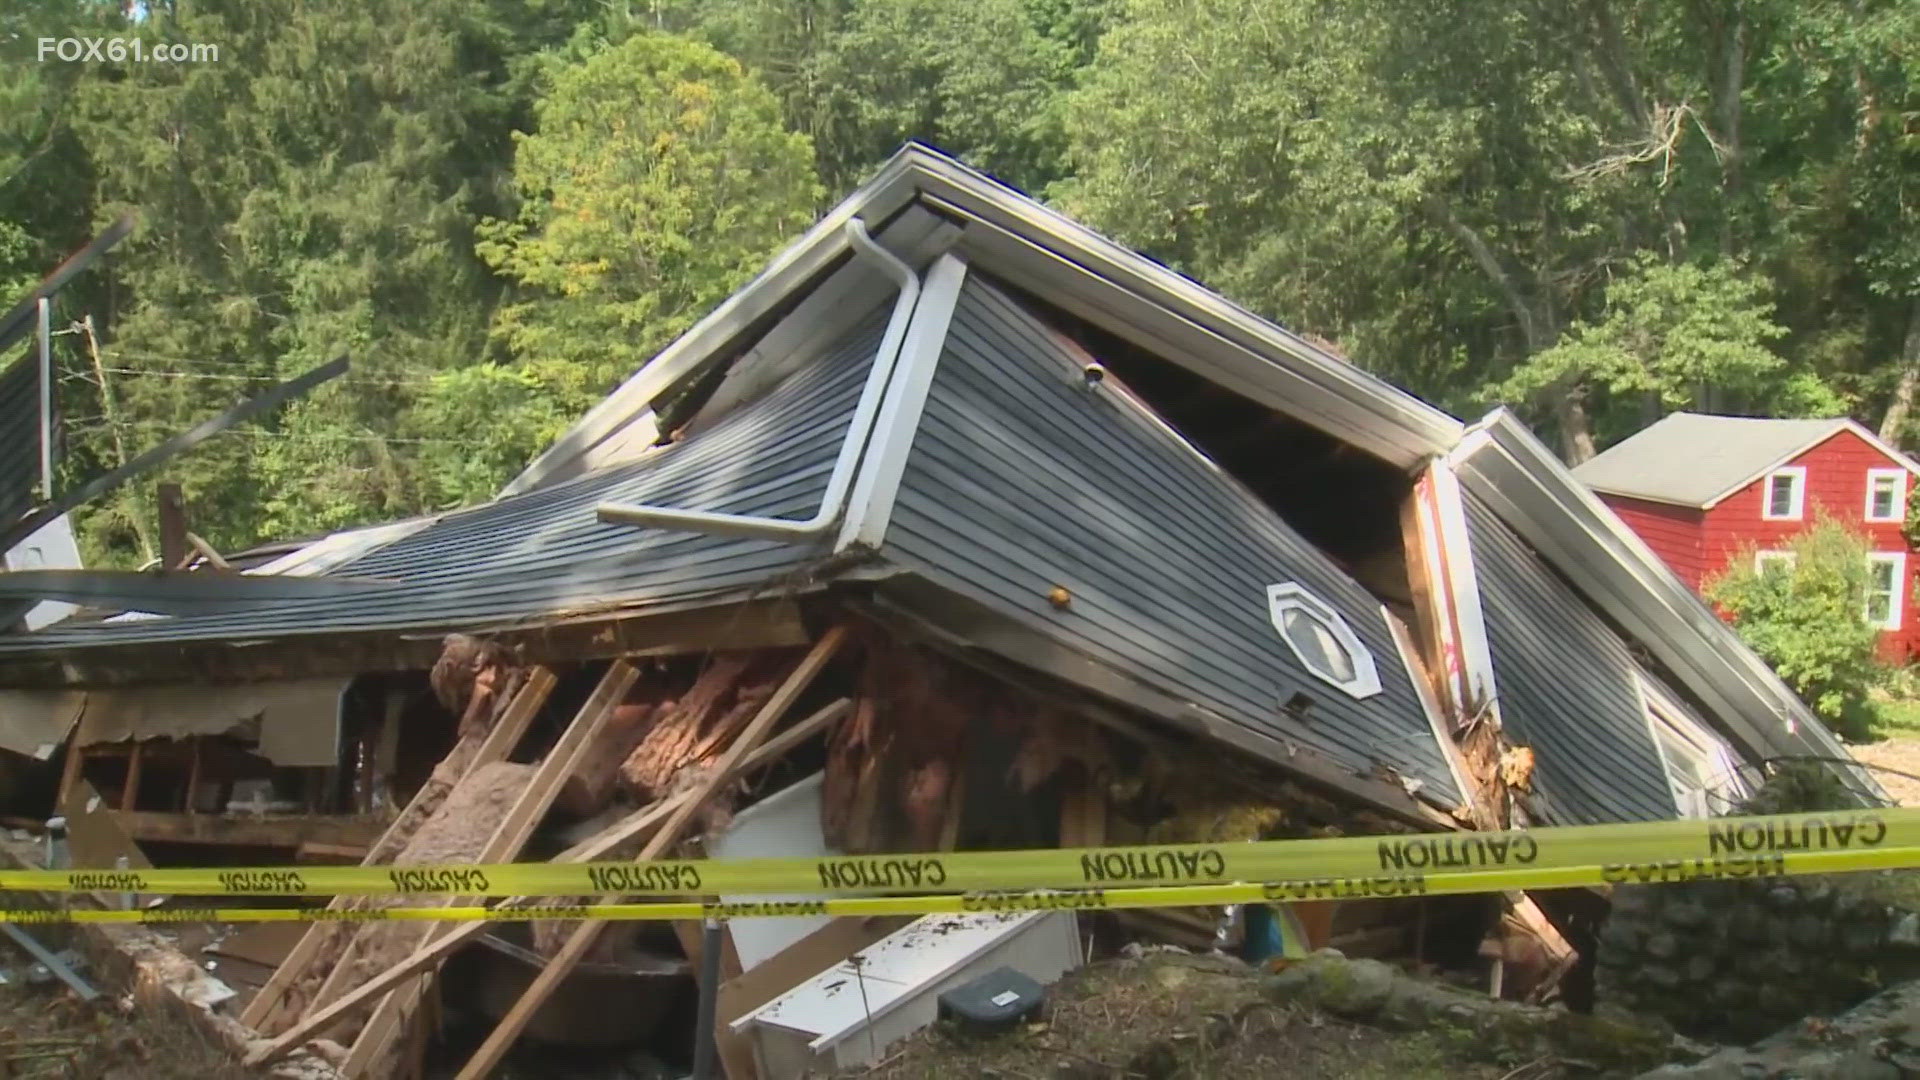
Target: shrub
1809	622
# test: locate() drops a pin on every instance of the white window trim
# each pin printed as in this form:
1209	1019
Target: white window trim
1762	558
1899	478
1665	714
1287	596
1796	506
1896	607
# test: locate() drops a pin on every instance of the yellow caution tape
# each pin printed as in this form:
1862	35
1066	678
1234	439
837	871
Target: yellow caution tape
1341	858
1666	871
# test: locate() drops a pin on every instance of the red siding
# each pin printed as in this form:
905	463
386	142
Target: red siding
1673	532
1837	483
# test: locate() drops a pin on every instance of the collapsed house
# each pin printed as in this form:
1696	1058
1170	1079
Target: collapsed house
960	527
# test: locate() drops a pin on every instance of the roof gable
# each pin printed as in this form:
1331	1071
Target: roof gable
1024	477
1017	239
1721	455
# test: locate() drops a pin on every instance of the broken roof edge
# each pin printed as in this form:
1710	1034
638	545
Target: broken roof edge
1541	500
727	620
917	172
967	628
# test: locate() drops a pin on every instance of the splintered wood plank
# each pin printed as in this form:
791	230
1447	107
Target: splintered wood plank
262	1013
582	737
487	1058
636	826
494	748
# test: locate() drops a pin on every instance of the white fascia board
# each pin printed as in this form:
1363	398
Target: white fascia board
816	249
1883	446
1228	345
1236	348
1443	514
1615	570
878	486
1899	459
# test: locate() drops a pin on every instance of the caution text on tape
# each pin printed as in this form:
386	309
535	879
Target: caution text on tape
1295	890
1344	858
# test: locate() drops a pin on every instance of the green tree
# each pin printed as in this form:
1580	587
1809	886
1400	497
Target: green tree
314	192
1809	622
1675	337
1449	187
658	180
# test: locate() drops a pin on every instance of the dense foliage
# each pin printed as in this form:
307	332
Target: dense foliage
1594	212
1809	621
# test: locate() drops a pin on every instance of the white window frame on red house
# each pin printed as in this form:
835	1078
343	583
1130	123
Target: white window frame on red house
1763	559
1898	479
1796	500
1895	607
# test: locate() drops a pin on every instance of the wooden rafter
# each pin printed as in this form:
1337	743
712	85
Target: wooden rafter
486	1058
509	837
497	744
636	826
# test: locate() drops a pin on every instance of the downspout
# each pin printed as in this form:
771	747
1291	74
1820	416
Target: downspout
833	502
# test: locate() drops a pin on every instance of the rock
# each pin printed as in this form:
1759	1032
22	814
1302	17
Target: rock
1906	931
1809	931
1699	969
1662	945
1351	989
1687	914
1783	898
1861	940
1660	975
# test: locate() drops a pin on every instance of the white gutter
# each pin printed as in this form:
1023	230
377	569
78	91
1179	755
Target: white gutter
833	503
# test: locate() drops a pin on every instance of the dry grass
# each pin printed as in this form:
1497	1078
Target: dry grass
1177	1016
1899	753
48	1034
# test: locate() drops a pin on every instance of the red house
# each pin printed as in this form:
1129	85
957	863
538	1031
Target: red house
1702	489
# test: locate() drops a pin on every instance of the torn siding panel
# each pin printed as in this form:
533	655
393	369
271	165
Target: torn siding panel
293	723
1020	480
36	722
545	553
1567	687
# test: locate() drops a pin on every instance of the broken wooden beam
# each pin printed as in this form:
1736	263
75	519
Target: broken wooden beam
264	1009
289	831
583	737
636	826
488	1056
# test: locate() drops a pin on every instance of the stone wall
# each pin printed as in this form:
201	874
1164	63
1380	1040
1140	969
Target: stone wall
1734	961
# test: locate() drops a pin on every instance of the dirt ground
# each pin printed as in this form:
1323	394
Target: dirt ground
48	1034
1173	1017
1902	753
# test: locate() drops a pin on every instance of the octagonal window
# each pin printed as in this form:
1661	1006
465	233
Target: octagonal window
1323	641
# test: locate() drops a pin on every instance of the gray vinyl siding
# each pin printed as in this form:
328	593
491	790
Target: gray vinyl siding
1020	480
19	437
1565	683
545	553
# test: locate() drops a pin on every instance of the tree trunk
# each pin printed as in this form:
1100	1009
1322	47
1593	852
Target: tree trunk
1576	428
1901	407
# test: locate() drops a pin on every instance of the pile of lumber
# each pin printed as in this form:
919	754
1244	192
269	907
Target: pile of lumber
371	985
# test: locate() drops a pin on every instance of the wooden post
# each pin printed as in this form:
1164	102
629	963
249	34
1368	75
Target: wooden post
193	779
130	791
635	826
70	774
174	548
488	1057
